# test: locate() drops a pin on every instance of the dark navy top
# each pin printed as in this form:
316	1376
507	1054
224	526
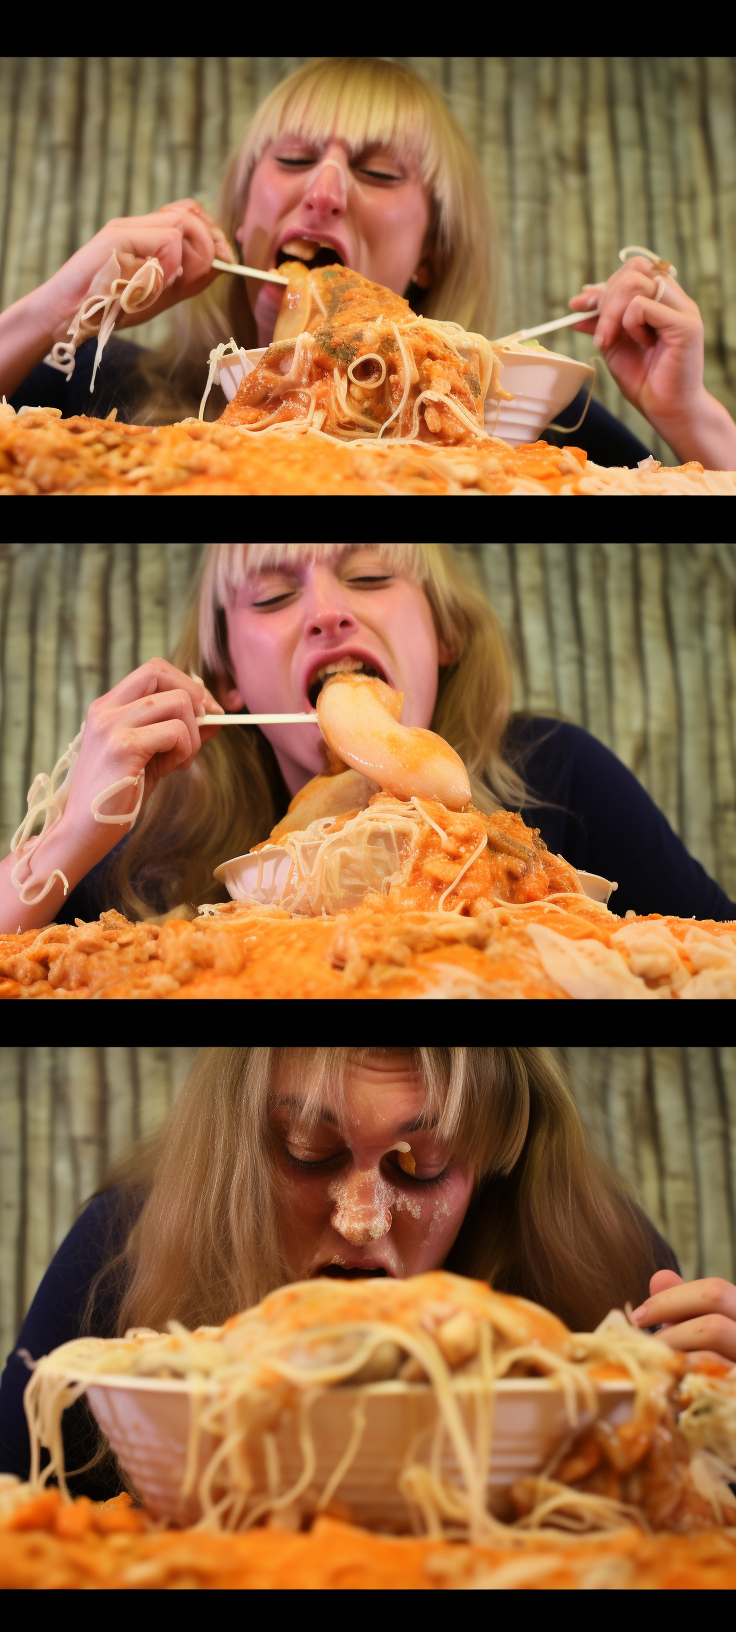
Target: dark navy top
592	811
117	385
56	1316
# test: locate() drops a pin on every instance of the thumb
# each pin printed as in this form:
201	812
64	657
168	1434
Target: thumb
663	1280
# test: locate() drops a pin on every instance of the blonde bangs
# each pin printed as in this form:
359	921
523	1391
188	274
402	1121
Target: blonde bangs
477	1098
362	101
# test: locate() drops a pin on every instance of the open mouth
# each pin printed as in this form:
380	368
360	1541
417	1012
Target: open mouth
340	1272
310	251
342	665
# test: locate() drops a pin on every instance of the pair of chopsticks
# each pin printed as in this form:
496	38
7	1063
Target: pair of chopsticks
521	334
249	271
659	267
256	719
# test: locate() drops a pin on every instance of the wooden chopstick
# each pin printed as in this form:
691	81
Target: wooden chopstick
249	271
256	719
547	328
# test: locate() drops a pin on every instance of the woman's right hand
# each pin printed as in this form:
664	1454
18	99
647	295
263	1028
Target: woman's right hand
145	726
182	236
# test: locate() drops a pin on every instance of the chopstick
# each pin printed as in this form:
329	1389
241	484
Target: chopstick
256	719
547	328
249	271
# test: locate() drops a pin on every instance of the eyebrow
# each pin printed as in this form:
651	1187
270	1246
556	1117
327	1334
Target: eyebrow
417	1124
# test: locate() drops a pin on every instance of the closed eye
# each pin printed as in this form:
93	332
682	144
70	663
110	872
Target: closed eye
363	170
366	580
310	1166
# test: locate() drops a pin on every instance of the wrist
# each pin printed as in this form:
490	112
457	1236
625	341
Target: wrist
703	431
27	332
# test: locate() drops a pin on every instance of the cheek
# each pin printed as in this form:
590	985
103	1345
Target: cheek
302	1199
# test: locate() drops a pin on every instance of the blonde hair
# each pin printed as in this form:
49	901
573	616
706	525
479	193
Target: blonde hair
547	1219
362	100
233	794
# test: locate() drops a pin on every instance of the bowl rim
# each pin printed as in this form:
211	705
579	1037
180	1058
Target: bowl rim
543	357
508	1386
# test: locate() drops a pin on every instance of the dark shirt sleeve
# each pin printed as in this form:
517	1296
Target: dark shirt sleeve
595	813
93	894
56	1316
117	384
605	439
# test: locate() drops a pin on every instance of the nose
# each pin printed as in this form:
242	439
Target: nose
323	613
327	192
361	1213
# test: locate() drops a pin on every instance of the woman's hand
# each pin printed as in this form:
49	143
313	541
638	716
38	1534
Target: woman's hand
696	1316
654	350
182	236
143	729
146	727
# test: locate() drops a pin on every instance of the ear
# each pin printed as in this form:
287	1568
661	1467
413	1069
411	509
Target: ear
422	277
232	700
445	655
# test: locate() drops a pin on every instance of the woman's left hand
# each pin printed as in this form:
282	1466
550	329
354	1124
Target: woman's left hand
654	349
696	1316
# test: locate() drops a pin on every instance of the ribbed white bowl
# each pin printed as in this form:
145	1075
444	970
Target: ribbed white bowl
147	1420
543	383
240	877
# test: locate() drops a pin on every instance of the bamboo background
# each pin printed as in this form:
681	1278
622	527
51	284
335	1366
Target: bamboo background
581	155
636	642
664	1117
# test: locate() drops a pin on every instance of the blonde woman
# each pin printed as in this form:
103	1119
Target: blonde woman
280	1164
362	157
266	619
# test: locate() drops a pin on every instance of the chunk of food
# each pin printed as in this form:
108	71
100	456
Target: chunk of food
350	358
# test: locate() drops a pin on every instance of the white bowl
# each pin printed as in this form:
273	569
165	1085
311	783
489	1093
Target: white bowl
240	877
147	1421
543	383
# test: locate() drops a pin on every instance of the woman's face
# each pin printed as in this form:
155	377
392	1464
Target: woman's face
344	1205
288	622
374	210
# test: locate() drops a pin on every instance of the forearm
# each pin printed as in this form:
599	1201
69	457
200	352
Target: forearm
706	433
26	334
61	849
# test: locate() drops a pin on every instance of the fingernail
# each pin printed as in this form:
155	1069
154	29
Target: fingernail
591	300
638	1314
599	336
180	272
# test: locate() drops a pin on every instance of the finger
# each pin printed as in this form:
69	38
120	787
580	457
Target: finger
168	739
688	1299
642	316
159	675
201	235
159	705
662	1280
616	298
714	1332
